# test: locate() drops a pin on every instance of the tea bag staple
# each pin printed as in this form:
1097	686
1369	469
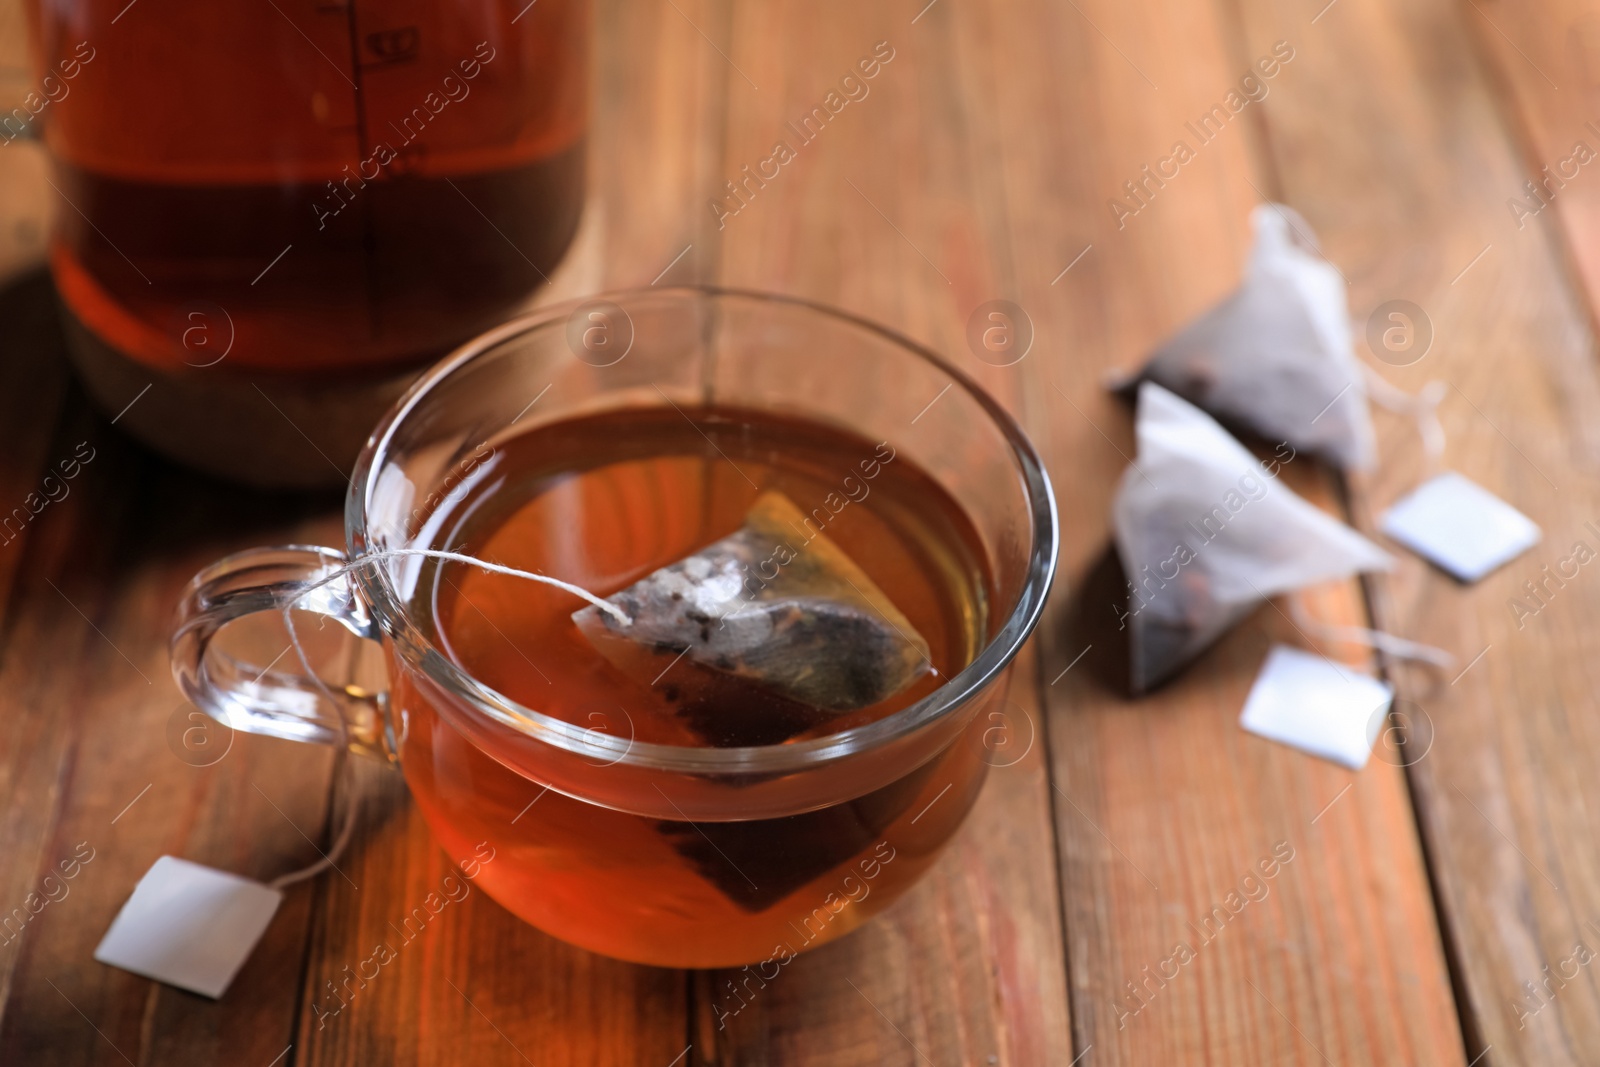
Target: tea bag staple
1276	355
794	615
1205	534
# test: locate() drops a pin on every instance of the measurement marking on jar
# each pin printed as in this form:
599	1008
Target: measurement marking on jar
931	803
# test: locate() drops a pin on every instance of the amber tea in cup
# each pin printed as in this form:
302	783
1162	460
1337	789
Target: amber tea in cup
821	589
601	501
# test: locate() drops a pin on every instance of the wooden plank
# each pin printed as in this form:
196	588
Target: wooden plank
656	113
81	744
1165	806
888	210
965	969
88	761
480	984
1506	791
87	588
475	983
33	396
1544	76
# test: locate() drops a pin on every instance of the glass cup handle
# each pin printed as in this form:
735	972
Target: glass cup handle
260	685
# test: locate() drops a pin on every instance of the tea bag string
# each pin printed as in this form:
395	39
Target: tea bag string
1384	642
352	807
1422	408
351	810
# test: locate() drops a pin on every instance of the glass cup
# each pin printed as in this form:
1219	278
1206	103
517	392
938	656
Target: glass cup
661	854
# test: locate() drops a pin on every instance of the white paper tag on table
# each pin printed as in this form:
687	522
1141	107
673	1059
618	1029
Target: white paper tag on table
1318	706
1459	526
189	926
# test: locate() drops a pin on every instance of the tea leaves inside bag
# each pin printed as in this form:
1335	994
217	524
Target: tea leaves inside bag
804	627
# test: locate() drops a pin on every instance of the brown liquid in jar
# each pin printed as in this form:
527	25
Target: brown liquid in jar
314	187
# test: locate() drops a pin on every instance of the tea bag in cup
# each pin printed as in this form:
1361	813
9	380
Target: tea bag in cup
781	610
1276	356
741	860
781	631
1205	534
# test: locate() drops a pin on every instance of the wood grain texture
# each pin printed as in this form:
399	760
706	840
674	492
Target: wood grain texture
90	761
479	985
890	209
966	968
86	591
1164	805
473	984
1507	799
980	166
657	109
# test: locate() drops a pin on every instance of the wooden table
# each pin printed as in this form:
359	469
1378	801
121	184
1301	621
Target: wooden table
1424	893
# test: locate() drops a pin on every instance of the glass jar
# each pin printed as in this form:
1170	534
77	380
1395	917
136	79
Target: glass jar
276	214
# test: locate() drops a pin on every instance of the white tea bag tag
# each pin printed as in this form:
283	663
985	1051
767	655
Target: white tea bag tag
1460	526
189	926
1317	706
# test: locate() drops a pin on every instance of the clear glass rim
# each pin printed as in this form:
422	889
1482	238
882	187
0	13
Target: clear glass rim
422	656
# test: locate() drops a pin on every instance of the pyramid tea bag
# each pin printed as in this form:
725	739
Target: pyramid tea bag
794	620
1276	356
1205	534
